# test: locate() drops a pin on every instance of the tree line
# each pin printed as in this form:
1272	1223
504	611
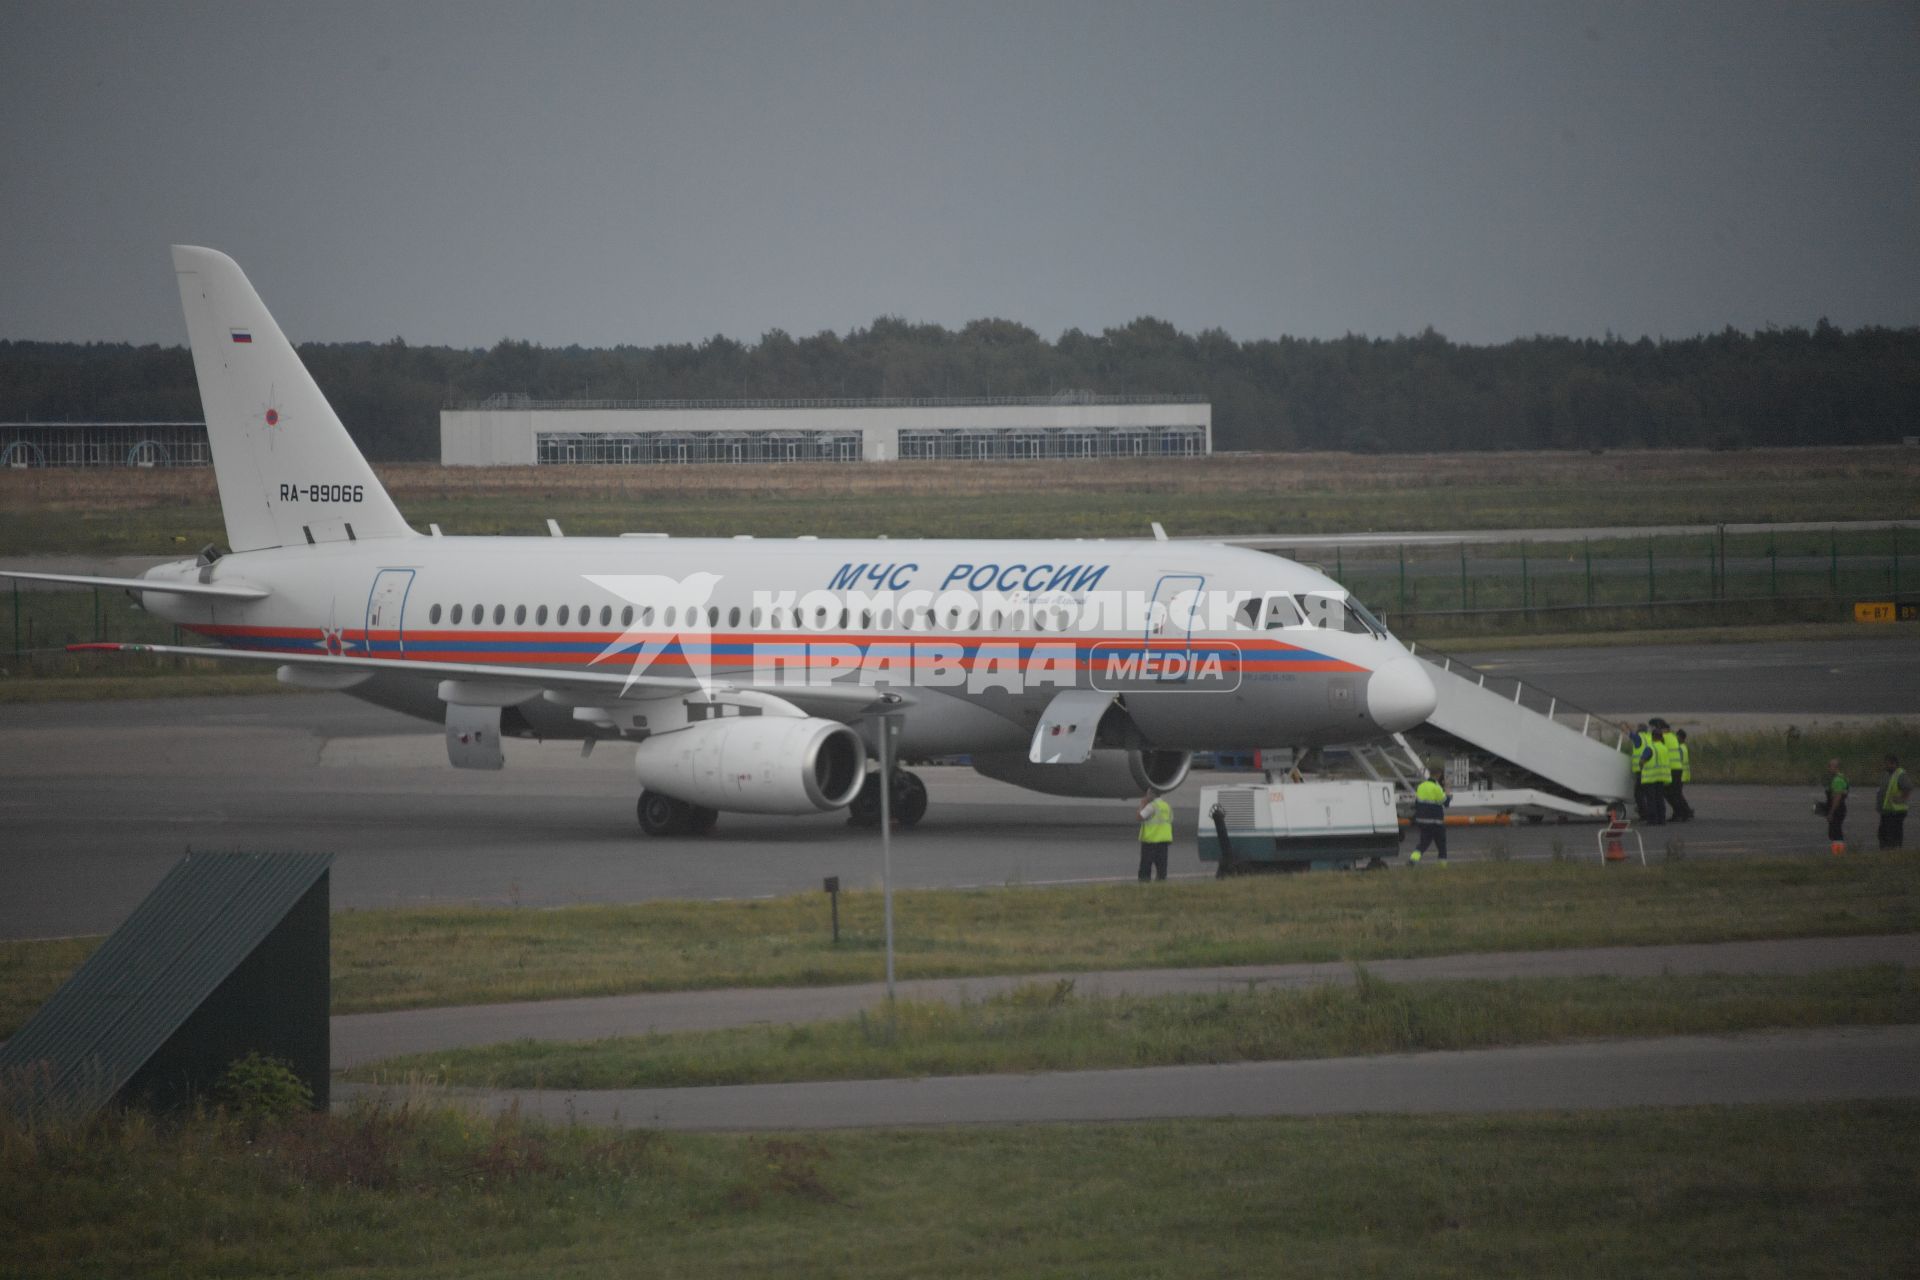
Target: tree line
1779	386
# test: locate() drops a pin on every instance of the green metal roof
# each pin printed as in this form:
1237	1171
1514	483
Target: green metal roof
200	923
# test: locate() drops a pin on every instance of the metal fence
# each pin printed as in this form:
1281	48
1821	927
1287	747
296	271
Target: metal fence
1811	575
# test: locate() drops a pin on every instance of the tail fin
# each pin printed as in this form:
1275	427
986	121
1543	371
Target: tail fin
288	471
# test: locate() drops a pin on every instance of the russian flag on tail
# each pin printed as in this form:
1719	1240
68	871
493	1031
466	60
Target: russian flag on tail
241	335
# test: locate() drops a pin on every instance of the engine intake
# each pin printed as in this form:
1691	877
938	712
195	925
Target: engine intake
1110	774
756	764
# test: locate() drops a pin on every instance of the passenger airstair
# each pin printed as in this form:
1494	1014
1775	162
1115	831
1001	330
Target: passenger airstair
1517	737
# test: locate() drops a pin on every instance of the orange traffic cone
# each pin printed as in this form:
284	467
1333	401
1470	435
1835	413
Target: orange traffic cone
1616	848
1838	848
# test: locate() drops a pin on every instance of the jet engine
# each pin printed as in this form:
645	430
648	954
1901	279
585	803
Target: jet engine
1112	773
756	764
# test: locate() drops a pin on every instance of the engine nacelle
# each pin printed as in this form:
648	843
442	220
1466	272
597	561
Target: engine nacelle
756	764
1111	773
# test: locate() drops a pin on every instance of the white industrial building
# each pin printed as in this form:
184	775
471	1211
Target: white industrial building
517	431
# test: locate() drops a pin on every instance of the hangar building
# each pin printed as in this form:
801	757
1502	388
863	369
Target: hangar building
518	431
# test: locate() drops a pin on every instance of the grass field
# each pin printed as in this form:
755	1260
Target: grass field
1047	1027
452	955
157	512
1787	1191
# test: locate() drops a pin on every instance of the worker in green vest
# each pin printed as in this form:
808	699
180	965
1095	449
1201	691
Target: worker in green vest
1836	802
1656	771
1680	757
1896	789
1156	834
1637	743
1430	801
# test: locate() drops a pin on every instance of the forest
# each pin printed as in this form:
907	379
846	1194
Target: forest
1418	394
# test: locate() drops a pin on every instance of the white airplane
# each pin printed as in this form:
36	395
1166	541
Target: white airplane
751	675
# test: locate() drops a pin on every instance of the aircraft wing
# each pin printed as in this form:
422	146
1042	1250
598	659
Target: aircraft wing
216	590
839	697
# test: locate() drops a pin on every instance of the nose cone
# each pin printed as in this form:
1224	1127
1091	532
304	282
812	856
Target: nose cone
1399	695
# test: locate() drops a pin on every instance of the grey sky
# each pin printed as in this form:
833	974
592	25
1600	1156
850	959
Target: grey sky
646	173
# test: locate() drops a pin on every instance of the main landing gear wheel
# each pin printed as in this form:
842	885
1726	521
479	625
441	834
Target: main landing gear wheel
907	804
664	816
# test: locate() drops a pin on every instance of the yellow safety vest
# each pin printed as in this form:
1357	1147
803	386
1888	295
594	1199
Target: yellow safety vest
1890	801
1635	745
1158	826
1658	766
1676	758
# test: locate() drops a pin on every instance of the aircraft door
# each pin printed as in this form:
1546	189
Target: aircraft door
1171	618
386	609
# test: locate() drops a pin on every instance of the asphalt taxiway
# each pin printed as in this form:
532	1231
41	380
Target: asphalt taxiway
101	798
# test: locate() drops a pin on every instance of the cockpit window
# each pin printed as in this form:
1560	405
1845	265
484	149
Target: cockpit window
1342	612
1356	610
1280	612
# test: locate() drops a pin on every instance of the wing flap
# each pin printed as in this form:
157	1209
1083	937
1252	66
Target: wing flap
611	684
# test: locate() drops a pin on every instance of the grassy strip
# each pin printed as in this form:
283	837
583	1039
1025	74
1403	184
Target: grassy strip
110	511
472	955
1783	632
1049	1028
1786	757
419	1193
113	688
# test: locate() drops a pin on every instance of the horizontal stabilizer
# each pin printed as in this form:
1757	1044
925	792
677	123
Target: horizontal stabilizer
212	590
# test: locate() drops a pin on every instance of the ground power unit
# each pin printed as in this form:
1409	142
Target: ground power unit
1297	826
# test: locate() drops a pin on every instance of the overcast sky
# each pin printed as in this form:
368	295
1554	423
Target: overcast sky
455	173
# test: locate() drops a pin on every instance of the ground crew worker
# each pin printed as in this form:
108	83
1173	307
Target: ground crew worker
1156	833
1895	790
1635	745
1836	808
1680	756
1430	801
1656	771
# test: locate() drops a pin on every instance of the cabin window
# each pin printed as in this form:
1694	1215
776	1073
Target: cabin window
866	619
606	615
433	614
713	616
753	619
886	619
479	615
540	616
456	615
646	615
626	616
499	615
845	617
733	616
561	619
